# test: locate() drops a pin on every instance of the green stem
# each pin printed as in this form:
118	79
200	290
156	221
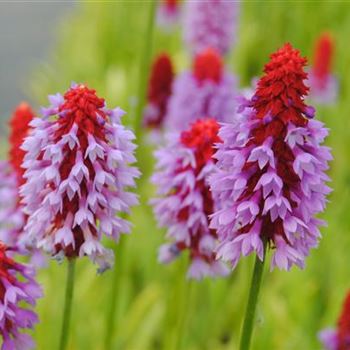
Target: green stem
247	329
144	67
183	315
114	296
67	304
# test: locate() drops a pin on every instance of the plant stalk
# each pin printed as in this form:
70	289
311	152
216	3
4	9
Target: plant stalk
114	296
144	67
67	304
249	318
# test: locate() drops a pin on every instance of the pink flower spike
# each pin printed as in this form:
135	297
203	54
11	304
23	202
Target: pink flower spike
184	201
78	171
271	170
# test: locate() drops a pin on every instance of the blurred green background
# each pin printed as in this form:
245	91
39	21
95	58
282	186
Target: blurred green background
100	44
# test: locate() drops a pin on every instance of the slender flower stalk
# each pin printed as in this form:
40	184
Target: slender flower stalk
144	67
114	294
207	90
185	202
339	338
145	59
17	288
271	174
248	324
65	330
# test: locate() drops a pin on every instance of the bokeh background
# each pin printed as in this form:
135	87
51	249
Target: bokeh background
100	43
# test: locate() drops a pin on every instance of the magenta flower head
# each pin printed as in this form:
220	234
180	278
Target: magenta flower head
77	172
323	84
207	90
271	170
12	218
159	91
185	200
17	288
338	339
210	23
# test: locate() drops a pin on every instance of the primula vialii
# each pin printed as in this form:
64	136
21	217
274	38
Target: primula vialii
185	201
207	90
339	339
210	23
271	170
323	84
12	218
159	91
77	172
17	288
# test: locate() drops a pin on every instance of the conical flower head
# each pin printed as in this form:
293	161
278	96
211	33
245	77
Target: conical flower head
210	23
12	218
323	85
17	288
271	170
159	91
185	202
208	89
78	169
339	339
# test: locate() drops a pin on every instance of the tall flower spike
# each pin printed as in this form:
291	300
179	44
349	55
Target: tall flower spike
271	170
210	23
338	339
17	285
207	90
77	172
168	13
159	91
185	201
323	84
12	219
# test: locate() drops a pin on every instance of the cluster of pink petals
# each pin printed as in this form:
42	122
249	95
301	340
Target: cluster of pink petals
193	97
68	216
17	288
180	207
12	218
230	181
210	23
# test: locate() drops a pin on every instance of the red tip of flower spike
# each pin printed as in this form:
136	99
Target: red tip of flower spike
202	135
19	128
83	107
208	66
171	4
344	326
323	55
159	89
280	92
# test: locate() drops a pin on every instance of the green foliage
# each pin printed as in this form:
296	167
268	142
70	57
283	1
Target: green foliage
100	44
